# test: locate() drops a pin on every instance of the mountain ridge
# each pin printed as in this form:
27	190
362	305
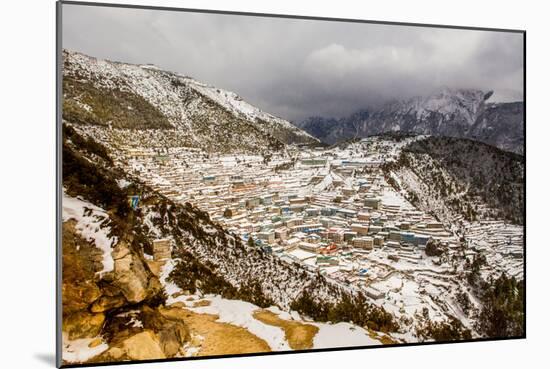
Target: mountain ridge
462	113
109	95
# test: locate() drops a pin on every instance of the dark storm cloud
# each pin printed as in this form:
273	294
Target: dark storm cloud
300	68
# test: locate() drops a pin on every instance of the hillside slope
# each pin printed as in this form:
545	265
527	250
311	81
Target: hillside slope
115	291
452	177
147	100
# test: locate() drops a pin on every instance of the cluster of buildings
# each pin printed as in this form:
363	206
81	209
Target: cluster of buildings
332	211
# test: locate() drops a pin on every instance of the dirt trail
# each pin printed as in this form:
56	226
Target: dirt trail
298	335
219	338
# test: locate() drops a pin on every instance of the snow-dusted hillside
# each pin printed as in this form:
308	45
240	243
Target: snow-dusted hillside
206	256
109	94
448	112
460	179
461	104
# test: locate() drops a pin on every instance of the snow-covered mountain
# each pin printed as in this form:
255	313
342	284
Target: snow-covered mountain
134	272
115	95
449	112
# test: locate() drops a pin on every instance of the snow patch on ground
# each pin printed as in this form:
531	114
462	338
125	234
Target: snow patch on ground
169	287
342	335
79	351
392	198
123	183
240	313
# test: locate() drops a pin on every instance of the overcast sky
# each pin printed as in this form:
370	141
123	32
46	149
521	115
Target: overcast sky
301	68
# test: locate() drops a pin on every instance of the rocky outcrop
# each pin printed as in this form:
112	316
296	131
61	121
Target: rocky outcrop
79	288
142	346
130	282
105	303
83	324
144	333
172	332
120	307
131	275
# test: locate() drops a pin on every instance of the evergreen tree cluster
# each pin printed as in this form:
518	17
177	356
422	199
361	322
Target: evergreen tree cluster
351	308
502	314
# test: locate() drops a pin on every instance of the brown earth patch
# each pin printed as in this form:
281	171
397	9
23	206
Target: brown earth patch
384	339
298	335
219	338
201	303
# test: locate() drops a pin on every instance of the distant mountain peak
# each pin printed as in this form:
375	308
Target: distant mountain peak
453	112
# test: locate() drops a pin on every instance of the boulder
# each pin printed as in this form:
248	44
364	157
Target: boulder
120	250
132	276
155	266
173	333
83	324
114	354
79	296
105	303
120	326
142	346
181	293
179	305
173	336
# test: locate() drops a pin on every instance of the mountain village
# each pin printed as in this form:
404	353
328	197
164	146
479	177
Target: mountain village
333	211
164	174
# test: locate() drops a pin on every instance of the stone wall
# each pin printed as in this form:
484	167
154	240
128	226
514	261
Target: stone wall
162	249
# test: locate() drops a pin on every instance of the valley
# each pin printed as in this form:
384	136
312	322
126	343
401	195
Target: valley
195	224
334	212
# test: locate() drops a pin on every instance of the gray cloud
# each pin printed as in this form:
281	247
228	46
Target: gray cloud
299	68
